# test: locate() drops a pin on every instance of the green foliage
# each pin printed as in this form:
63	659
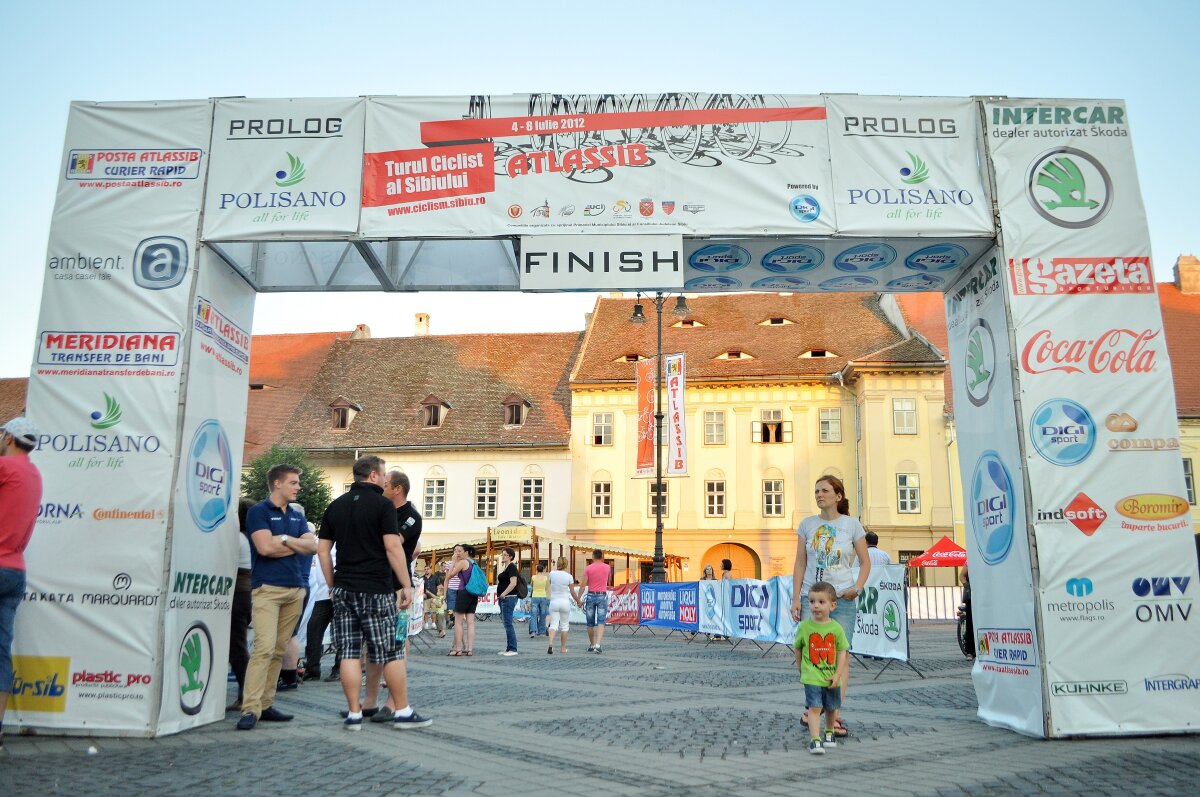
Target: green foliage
314	495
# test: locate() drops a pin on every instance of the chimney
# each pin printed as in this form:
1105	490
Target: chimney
1187	274
422	325
361	332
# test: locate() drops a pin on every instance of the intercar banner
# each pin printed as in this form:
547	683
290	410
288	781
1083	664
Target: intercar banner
606	163
675	383
669	605
881	625
623	606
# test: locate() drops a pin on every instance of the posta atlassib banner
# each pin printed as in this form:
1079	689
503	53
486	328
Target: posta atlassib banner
284	168
908	163
555	163
1115	546
105	394
674	386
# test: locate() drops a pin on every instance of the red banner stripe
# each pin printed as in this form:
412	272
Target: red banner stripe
472	129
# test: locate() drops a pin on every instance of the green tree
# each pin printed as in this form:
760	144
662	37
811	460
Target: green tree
314	495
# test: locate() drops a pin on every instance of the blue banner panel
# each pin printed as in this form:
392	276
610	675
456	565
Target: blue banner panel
670	606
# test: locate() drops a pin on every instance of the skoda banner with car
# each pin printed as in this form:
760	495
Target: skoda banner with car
1024	213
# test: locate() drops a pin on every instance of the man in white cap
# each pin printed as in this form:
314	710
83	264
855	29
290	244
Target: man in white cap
20	494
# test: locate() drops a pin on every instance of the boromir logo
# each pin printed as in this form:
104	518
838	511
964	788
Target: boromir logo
1083	513
1066	275
1114	351
1152	506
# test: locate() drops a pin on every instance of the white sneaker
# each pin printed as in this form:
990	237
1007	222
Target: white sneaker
508	653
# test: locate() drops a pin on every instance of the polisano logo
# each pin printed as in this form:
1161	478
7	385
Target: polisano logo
1083	513
1114	351
1071	275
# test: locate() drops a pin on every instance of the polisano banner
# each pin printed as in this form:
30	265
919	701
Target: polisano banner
555	163
908	163
1115	546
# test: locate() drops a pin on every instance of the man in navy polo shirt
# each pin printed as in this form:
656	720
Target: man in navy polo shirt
279	544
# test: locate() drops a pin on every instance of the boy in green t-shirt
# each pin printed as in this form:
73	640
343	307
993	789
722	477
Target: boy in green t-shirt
822	656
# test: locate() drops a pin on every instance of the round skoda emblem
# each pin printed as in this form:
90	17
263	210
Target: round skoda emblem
194	667
981	363
1069	187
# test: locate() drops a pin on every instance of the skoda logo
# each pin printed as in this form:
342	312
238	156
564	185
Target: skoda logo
981	362
992	501
194	667
1069	188
1062	432
209	471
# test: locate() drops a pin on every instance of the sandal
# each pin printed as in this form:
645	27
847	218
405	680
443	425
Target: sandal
840	730
469	653
454	653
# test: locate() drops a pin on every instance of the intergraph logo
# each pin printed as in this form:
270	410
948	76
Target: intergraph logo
111	415
209	469
292	175
1062	431
160	262
917	173
194	667
981	362
992	516
1069	188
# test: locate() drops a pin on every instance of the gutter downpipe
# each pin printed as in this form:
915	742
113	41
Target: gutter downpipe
857	445
951	434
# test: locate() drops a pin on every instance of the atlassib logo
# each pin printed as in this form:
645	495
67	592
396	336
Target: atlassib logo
40	683
194	667
232	340
1073	275
209	472
992	508
1069	188
981	362
1082	512
1062	432
160	262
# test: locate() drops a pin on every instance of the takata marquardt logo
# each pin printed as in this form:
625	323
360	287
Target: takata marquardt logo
916	173
111	415
210	464
1069	187
292	175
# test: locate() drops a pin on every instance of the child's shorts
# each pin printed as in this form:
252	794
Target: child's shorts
826	698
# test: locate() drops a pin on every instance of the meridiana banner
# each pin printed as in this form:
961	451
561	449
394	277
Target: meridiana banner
676	431
645	417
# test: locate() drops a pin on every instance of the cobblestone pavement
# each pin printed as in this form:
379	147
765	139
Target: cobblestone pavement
648	716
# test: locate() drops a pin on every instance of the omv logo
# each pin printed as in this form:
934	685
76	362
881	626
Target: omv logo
293	174
992	507
1062	431
1079	587
210	466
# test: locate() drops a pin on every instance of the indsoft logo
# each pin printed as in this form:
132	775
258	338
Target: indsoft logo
992	508
1069	188
209	470
40	683
1062	432
194	667
160	262
1083	513
981	362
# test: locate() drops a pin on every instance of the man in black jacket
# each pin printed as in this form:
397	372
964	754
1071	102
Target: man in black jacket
362	523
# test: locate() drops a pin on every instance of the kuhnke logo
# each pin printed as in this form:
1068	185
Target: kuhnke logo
292	175
111	415
917	173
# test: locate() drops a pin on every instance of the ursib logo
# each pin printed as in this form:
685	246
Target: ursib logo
1079	587
160	262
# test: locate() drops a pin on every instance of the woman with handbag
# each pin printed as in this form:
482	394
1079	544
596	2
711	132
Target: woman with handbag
465	601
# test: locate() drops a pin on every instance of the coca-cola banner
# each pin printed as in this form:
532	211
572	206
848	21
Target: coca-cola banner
1115	551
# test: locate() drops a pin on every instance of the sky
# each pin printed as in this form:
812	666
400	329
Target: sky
54	53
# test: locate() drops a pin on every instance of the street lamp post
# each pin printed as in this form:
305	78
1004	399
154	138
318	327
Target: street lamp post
658	574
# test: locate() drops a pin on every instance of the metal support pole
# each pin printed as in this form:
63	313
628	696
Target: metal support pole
659	574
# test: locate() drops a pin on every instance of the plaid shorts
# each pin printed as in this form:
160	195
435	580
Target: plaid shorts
365	615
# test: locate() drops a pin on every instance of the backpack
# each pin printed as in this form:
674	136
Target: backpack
522	589
477	584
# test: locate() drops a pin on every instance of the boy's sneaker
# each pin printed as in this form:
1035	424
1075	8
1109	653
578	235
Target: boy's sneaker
413	720
830	738
352	723
815	747
597	649
591	648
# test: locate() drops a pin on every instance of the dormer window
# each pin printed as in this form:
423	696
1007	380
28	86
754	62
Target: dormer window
629	358
516	410
818	353
343	411
433	411
776	321
735	354
687	323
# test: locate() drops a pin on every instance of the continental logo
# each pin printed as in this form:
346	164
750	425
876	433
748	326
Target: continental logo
1152	506
40	683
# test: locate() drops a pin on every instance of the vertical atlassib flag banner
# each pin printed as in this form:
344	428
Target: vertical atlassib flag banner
284	169
908	165
645	418
104	393
676	420
881	625
1008	669
204	528
1115	546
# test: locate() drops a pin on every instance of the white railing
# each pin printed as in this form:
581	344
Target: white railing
933	603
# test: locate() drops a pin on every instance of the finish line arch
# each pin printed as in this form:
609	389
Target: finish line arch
1026	214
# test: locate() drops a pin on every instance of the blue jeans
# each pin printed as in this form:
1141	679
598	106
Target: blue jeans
506	614
539	612
595	608
12	591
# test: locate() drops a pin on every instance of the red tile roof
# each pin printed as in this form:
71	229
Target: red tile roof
473	374
285	366
852	326
12	397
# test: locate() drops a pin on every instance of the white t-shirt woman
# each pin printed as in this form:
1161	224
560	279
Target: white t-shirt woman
830	545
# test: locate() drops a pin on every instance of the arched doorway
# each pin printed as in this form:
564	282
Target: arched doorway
745	561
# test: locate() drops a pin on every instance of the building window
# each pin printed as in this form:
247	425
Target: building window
1189	481
341	417
346	487
904	416
433	416
772	497
908	492
714	499
602	429
485	498
831	425
435	498
915	575
601	499
714	427
772	428
531	498
654	495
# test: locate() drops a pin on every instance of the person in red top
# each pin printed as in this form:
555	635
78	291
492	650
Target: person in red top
595	605
20	494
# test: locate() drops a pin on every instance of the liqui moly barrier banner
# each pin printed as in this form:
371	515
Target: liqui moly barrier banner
623	605
674	385
1116	554
670	605
881	625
